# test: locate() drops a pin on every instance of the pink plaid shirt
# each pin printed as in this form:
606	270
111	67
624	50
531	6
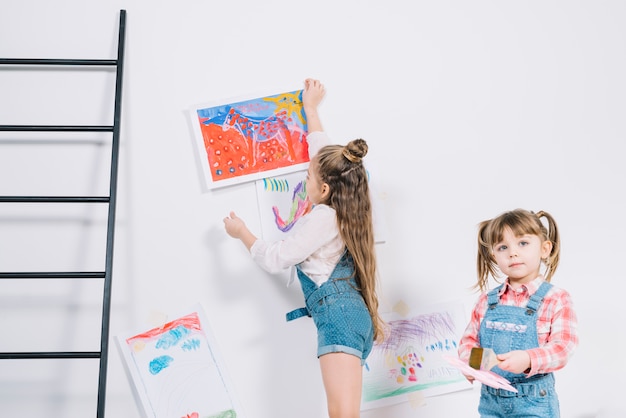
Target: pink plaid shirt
557	326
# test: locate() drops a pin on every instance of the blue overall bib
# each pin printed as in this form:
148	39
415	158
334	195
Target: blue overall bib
507	328
340	314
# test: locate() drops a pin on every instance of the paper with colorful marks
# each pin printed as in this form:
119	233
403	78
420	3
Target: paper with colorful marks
410	359
252	138
282	202
176	372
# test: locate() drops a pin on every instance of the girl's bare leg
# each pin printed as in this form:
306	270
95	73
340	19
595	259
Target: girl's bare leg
342	375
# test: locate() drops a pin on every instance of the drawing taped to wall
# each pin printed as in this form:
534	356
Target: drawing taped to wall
176	371
251	138
410	359
283	200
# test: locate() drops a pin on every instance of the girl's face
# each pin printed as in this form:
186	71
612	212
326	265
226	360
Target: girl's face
519	257
315	189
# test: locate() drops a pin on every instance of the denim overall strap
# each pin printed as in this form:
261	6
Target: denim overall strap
339	281
308	287
537	298
493	297
297	313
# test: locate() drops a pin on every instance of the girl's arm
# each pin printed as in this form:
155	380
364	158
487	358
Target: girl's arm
311	97
313	231
469	339
562	339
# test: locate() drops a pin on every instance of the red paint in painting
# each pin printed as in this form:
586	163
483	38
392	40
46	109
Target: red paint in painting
232	154
191	321
227	151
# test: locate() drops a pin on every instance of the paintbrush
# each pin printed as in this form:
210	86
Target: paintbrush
483	358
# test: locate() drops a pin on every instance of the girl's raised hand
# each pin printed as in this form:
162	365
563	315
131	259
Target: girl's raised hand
313	93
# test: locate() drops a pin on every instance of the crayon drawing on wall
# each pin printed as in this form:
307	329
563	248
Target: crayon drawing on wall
251	139
176	371
409	361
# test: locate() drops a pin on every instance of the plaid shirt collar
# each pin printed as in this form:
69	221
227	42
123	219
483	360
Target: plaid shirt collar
529	288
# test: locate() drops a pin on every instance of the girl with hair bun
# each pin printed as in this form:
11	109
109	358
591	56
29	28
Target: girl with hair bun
332	248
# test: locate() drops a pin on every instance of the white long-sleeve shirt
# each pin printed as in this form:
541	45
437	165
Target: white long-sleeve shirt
314	243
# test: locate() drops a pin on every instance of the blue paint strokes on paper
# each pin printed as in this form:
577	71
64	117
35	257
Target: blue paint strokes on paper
172	337
191	344
160	363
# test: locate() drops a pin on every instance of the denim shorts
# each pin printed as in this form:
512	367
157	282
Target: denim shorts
343	323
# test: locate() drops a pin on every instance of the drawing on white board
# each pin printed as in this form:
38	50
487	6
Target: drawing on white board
176	371
411	358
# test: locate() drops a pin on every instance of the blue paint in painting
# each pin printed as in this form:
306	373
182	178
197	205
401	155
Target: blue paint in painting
191	344
160	363
172	337
216	115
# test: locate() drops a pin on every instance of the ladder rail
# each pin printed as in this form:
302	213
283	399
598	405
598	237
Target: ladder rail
106	300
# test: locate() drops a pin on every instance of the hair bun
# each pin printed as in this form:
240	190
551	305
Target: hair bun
355	150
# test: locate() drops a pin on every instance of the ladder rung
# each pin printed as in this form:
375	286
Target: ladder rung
55	61
56	128
53	275
55	199
51	355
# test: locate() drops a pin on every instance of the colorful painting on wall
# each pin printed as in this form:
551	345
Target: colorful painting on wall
251	139
411	359
176	371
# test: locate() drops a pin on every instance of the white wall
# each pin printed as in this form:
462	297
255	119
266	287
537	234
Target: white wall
470	109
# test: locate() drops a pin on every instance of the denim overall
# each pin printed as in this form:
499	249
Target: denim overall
507	328
340	314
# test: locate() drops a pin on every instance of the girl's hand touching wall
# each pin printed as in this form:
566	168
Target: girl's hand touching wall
236	228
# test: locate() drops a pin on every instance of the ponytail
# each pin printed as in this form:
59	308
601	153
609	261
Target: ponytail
552	235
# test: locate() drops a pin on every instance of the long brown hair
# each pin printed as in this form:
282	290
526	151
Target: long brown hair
341	167
521	222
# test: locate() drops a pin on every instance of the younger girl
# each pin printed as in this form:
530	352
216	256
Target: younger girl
527	321
332	248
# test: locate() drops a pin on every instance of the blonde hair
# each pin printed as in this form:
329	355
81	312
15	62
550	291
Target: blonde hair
521	222
341	167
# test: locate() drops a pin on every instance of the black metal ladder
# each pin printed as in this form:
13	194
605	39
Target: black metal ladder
110	200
